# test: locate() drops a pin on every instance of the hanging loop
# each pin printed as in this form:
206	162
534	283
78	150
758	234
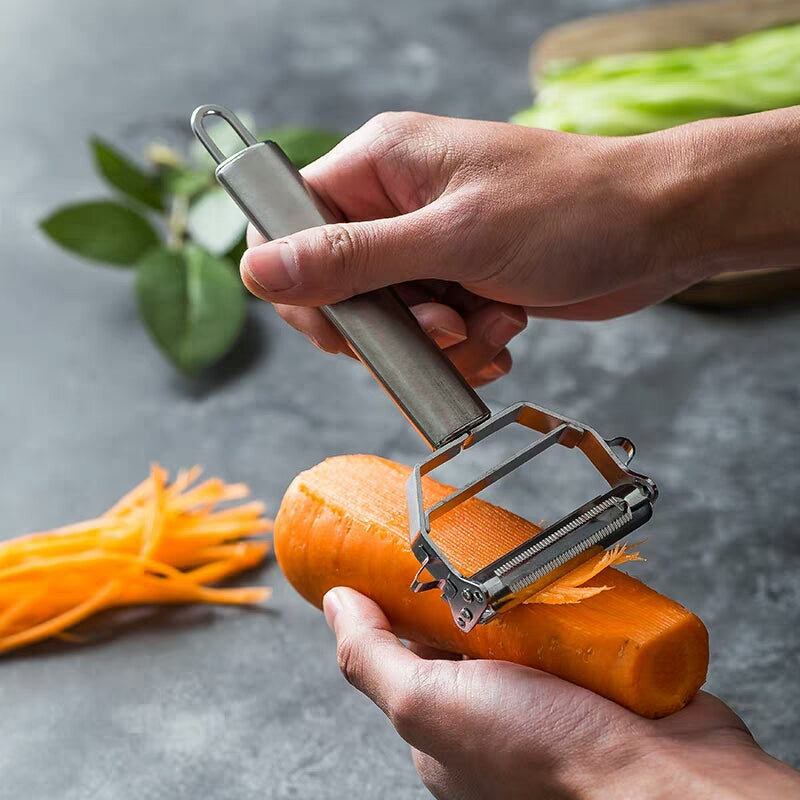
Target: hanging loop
199	128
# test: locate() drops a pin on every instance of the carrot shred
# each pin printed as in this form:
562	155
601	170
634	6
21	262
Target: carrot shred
570	589
161	542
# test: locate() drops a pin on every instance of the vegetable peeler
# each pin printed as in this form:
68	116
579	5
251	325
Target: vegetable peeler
444	409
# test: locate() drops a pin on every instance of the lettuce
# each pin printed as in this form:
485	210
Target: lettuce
634	93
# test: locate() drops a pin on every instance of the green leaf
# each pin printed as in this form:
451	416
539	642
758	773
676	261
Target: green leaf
102	231
187	182
126	176
192	303
215	222
303	145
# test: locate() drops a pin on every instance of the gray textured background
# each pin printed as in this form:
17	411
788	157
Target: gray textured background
228	705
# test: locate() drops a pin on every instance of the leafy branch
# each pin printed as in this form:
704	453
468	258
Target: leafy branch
182	235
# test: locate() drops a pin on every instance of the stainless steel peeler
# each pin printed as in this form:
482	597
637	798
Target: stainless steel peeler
442	407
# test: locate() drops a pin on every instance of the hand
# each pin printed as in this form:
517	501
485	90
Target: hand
481	730
480	223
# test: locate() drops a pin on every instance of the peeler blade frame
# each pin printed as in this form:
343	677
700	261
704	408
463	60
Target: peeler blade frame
556	549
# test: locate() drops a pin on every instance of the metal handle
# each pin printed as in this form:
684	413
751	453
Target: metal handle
384	334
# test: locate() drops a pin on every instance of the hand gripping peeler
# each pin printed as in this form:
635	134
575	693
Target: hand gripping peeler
442	407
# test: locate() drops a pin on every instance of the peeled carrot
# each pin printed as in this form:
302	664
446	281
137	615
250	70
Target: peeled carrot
343	523
161	543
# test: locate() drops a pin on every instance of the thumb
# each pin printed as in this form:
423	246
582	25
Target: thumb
333	262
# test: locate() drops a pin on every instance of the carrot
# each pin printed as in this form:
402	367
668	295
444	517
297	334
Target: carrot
343	523
161	543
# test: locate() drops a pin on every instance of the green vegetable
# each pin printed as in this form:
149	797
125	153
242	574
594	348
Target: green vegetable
215	221
187	183
302	145
102	231
126	176
633	93
188	288
193	304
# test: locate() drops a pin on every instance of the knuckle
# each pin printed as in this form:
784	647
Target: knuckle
463	217
469	214
391	134
394	123
409	152
349	659
404	714
344	250
410	705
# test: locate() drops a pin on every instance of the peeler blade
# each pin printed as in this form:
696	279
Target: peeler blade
559	548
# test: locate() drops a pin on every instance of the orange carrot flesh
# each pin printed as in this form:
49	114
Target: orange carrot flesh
161	543
343	523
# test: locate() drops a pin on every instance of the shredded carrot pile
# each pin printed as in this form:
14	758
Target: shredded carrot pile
161	543
570	589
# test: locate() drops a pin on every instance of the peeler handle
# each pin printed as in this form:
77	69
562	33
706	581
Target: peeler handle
382	331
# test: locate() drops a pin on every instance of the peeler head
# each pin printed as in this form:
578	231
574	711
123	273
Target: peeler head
554	551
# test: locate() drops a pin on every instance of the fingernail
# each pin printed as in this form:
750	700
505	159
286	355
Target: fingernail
331	606
272	266
492	371
445	337
504	328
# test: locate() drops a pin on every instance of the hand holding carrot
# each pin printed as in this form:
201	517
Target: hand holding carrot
488	729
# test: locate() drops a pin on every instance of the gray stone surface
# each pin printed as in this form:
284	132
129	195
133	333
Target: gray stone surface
227	705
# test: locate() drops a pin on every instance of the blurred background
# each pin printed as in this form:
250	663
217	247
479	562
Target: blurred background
229	704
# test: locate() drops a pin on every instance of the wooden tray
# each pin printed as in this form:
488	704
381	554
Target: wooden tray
664	27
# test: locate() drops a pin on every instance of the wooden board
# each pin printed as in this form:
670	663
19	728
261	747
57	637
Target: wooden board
660	28
680	25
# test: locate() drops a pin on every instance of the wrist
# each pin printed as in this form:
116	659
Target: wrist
725	193
728	767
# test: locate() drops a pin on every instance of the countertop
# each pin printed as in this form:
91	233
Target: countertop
227	704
